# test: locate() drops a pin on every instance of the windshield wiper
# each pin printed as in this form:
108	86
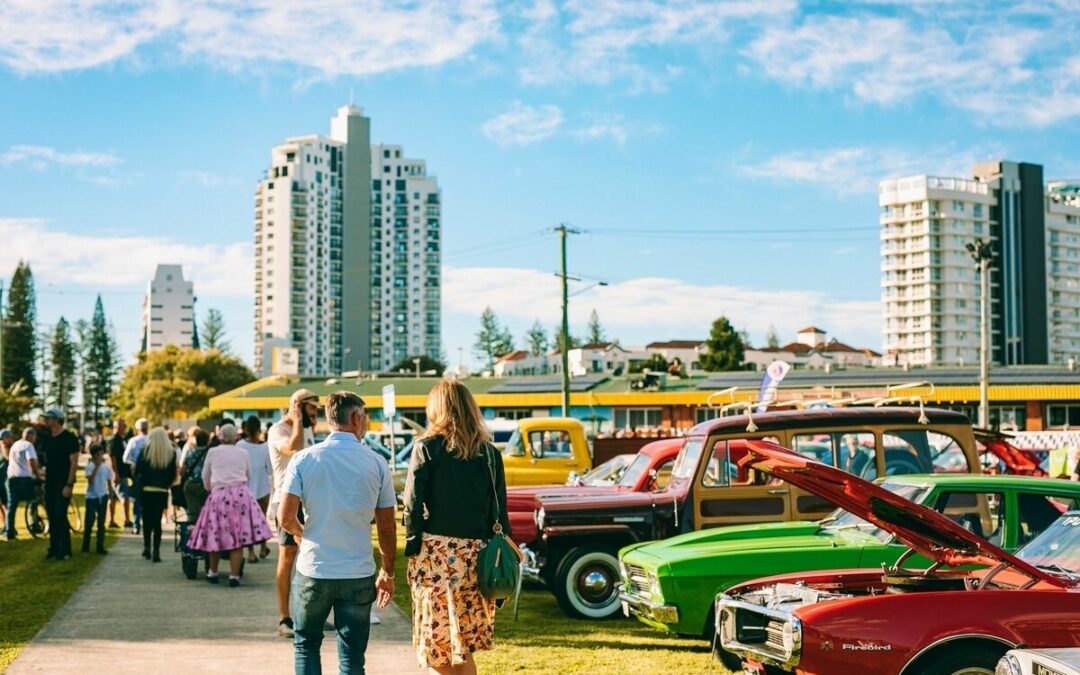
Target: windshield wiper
825	521
1059	569
851	526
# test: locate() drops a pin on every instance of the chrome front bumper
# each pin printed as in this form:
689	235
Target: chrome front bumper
530	566
634	605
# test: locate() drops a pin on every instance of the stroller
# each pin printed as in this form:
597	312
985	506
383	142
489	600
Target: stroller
190	557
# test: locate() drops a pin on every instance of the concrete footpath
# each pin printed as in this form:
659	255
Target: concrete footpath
133	616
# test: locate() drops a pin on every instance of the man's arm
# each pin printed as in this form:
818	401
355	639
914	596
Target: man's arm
287	519
386	526
34	468
73	466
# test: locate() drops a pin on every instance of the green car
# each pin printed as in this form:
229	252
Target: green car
671	584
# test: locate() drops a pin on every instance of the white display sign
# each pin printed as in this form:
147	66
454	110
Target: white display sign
285	361
389	405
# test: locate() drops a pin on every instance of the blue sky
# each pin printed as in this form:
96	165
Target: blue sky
719	157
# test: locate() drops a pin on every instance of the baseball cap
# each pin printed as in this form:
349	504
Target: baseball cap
4	433
304	396
54	414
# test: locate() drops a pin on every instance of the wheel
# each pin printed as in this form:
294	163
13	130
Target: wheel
36	522
585	583
190	565
73	517
962	660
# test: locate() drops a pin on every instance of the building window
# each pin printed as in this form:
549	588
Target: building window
1063	415
635	418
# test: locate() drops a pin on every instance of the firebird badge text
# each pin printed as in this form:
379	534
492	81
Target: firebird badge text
866	647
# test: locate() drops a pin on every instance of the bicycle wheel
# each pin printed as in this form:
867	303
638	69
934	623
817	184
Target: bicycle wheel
36	522
74	518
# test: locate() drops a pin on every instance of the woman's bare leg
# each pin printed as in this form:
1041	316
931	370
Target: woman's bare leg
235	556
215	558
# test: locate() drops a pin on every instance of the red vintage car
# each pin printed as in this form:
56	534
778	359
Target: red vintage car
902	620
651	464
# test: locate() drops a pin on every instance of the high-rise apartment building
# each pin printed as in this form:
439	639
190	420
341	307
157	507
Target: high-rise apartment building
930	285
322	227
168	316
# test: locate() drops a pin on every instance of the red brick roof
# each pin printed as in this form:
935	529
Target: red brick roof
513	356
809	329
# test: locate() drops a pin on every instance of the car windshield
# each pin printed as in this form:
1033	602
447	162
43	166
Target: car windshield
607	473
688	458
1057	549
634	472
841	520
514	447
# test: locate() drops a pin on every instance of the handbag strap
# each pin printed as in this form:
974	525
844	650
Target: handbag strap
497	527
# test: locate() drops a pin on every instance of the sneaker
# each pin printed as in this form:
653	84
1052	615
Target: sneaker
285	628
233	582
212	579
114	526
375	620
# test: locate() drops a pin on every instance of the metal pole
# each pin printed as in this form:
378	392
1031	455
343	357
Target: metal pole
984	347
1	334
565	347
393	446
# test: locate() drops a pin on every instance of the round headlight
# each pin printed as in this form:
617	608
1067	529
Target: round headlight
539	517
792	636
1008	665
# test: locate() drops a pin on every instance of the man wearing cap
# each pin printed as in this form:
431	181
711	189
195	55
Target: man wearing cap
293	433
132	452
60	449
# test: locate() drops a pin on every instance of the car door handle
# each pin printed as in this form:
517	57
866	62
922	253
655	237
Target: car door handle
778	491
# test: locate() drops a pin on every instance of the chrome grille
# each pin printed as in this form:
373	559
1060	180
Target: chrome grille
637	581
774	635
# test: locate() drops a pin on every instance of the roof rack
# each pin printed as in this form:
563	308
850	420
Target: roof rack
729	392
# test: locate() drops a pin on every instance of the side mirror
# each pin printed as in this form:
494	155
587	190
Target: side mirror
573	479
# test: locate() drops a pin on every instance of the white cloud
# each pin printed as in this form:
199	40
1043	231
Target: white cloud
123	261
330	36
41	157
629	308
208	179
614	128
859	169
523	124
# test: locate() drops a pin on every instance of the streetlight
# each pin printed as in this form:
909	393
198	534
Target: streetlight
416	362
982	253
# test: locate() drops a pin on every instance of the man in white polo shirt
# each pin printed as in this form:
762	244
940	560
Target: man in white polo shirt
293	433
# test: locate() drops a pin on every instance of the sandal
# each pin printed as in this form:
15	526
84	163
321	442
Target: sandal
253	560
264	552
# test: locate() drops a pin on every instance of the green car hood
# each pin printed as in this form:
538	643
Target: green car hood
741	538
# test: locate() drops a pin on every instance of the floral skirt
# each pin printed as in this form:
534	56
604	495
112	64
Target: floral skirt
451	619
230	519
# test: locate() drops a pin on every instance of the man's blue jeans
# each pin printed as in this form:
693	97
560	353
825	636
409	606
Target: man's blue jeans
312	600
20	490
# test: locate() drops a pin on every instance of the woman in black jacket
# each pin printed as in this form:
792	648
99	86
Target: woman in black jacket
155	473
453	494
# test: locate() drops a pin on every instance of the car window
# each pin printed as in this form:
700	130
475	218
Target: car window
550	443
982	513
514	446
687	461
663	476
1037	512
815	446
727	464
922	451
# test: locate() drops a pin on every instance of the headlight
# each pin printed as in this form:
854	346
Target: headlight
654	588
1008	665
539	518
622	572
792	636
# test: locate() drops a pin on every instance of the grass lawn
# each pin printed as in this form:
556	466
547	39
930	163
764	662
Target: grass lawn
31	589
545	640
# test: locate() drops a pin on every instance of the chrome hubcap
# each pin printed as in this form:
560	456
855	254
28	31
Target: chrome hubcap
595	583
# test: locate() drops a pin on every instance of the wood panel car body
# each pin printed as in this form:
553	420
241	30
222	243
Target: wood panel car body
900	620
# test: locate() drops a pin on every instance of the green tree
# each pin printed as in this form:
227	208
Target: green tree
771	339
99	361
63	366
174	380
15	404
427	364
212	335
19	343
556	339
725	347
492	340
537	339
595	332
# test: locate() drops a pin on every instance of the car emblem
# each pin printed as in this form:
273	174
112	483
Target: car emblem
826	646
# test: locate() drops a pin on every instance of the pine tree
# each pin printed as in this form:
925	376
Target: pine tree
725	347
771	339
595	330
101	362
63	366
556	339
537	339
212	335
492	340
19	343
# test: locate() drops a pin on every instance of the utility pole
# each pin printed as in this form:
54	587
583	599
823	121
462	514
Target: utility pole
564	350
1	334
983	255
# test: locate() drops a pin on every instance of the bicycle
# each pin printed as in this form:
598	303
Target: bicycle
37	517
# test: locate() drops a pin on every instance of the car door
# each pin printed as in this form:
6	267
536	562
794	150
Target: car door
515	460
728	491
551	457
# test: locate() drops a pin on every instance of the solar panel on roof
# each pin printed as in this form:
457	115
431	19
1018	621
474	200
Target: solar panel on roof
546	384
939	376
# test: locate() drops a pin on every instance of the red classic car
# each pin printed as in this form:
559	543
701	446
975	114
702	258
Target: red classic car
900	620
652	464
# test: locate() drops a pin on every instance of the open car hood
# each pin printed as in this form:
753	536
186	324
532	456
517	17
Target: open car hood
919	527
1018	462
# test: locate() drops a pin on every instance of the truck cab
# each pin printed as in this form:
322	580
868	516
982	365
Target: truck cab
545	450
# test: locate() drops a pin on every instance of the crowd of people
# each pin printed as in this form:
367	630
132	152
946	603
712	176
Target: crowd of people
325	498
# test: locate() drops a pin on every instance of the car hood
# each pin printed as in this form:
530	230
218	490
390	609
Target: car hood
921	528
695	546
522	498
1065	657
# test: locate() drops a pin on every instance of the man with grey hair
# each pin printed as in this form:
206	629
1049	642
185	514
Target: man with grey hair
132	453
343	485
23	470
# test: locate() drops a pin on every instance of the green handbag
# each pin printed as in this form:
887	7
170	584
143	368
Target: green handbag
498	565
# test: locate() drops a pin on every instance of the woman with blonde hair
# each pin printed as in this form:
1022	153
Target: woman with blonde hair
155	472
231	518
455	480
